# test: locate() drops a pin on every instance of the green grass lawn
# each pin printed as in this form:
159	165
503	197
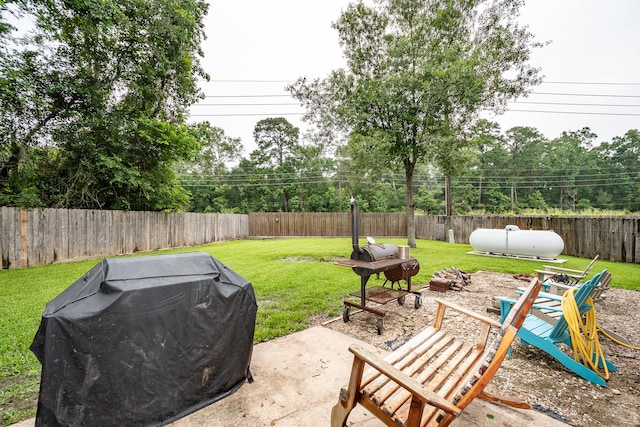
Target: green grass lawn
292	278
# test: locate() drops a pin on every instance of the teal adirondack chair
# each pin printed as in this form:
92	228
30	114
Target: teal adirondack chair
546	335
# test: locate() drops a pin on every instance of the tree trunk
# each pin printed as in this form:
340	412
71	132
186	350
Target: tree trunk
411	218
16	154
448	211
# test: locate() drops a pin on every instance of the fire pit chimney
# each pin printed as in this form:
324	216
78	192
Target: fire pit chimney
354	226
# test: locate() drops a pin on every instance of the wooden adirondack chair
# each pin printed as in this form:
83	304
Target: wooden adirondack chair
435	375
548	304
546	334
573	276
598	295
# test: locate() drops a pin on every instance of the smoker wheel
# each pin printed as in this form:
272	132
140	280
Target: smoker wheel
379	325
401	300
417	302
345	314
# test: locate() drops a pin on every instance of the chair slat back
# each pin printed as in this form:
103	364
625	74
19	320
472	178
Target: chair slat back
590	266
582	294
522	306
497	350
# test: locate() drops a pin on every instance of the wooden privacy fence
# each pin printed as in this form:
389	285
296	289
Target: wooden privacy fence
44	236
616	239
330	224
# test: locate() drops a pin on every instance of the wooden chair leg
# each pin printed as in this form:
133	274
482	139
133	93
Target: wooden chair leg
340	412
415	413
505	400
568	362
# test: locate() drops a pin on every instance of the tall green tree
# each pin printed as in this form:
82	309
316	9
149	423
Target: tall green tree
205	175
491	157
526	147
313	172
620	182
418	73
568	158
110	84
217	150
277	139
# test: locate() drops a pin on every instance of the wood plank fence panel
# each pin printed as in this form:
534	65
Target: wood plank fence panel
330	224
44	236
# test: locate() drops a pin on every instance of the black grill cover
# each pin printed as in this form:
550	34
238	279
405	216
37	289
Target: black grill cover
144	341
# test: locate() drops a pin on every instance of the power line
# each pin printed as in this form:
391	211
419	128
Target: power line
393	178
248	105
575	112
247	96
274	181
593	83
579	104
567	82
592	113
585	94
509	109
256	104
533	93
248	81
245	114
552	173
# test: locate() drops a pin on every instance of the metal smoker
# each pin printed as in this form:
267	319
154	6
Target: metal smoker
372	258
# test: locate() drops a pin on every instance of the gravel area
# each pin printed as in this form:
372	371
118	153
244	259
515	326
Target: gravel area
528	372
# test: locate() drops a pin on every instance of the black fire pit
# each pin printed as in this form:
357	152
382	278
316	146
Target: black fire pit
374	258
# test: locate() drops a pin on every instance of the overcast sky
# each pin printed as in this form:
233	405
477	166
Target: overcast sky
256	47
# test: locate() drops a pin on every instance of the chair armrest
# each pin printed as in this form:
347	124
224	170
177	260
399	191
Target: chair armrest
545	273
469	313
537	303
541	306
583	309
546	295
405	381
564	286
564	270
542	274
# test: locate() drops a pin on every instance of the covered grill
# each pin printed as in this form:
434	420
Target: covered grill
144	341
387	258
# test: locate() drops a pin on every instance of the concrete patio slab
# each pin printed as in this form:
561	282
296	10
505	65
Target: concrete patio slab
297	381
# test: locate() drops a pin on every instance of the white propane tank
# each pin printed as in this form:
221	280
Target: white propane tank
513	241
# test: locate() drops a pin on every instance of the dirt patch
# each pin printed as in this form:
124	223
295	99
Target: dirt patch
528	372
